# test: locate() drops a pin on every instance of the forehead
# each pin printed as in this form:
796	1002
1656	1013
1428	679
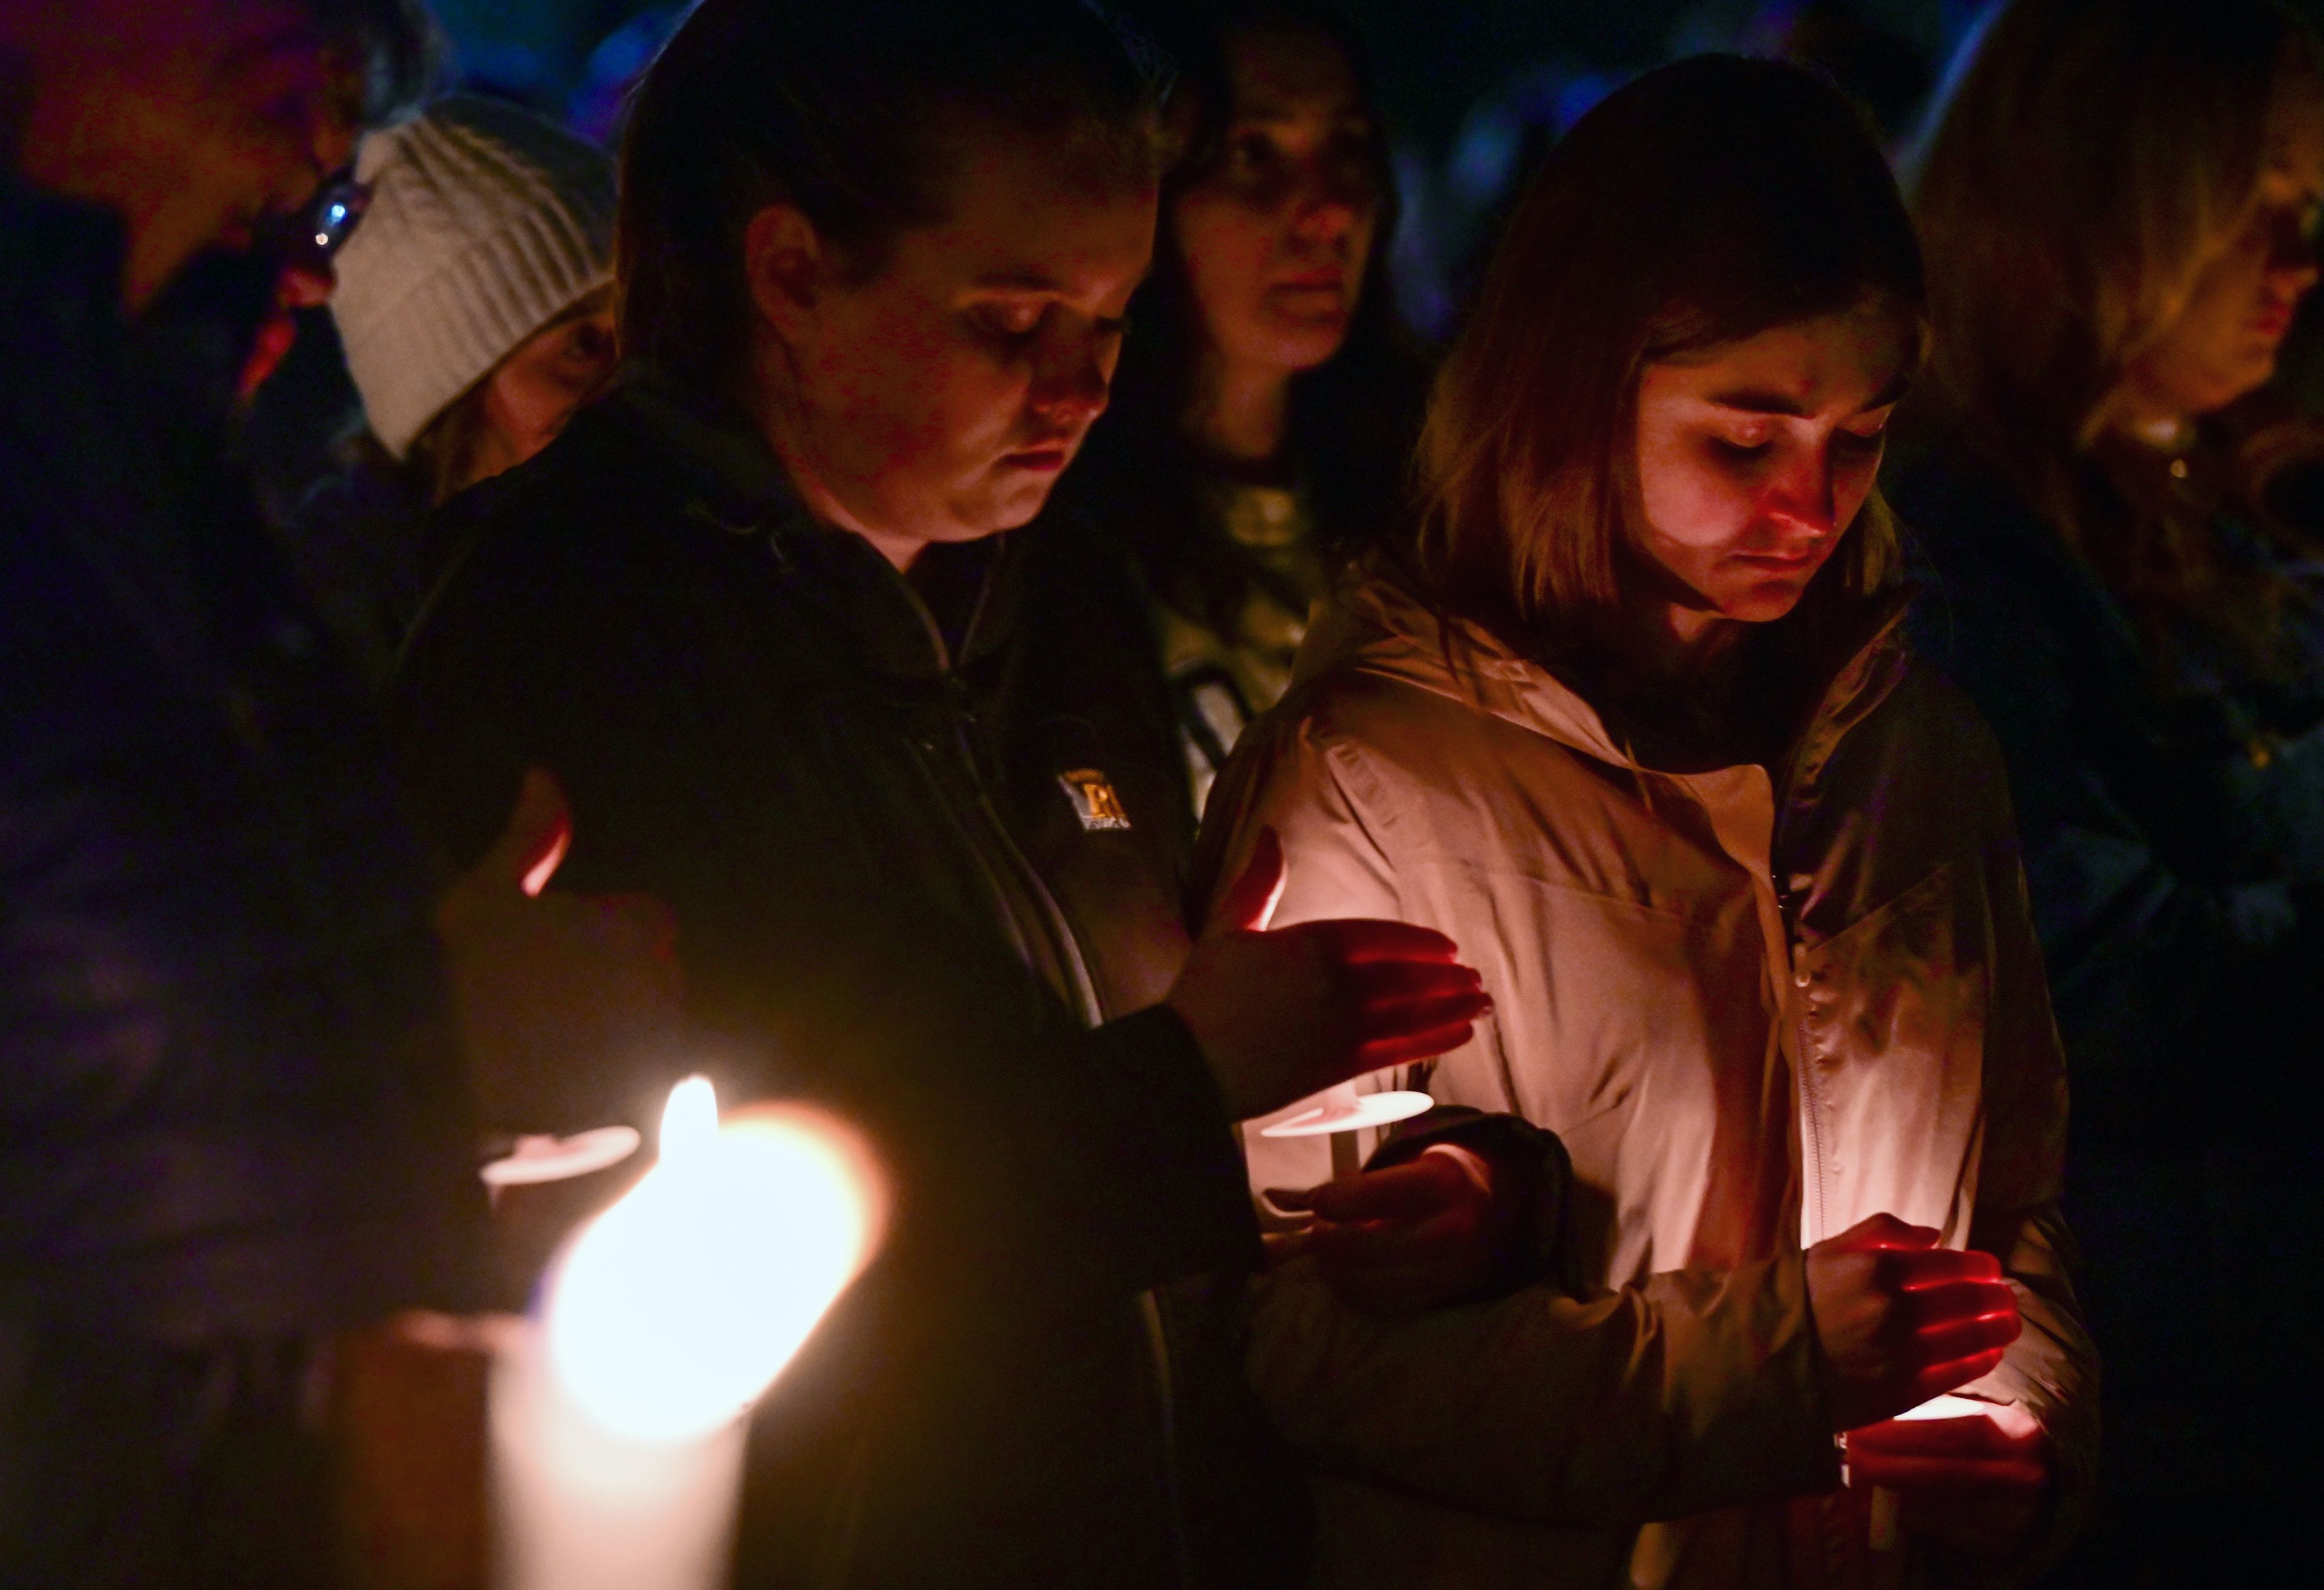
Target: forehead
1842	362
1066	213
1287	71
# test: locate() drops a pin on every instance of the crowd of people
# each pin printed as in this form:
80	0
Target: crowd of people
931	580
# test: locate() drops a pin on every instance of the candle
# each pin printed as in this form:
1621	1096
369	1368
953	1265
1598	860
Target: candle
1341	1118
618	1418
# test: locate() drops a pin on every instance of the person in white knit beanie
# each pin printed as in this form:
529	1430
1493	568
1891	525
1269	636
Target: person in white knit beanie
474	298
476	302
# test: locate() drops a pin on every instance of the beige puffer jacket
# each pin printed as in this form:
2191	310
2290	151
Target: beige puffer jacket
1755	1013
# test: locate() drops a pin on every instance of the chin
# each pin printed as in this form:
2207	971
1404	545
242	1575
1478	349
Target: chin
1302	345
1763	603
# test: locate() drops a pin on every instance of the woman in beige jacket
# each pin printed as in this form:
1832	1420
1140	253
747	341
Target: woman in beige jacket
1637	728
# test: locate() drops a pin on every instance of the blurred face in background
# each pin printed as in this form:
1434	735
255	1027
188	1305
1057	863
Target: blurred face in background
1755	457
2223	343
532	392
200	122
1275	240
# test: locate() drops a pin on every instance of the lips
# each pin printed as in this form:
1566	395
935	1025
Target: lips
1041	461
2272	321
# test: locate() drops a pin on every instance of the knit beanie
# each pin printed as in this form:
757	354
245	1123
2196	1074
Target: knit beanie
485	223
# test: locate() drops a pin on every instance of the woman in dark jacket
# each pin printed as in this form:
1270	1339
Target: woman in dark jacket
1262	421
2117	204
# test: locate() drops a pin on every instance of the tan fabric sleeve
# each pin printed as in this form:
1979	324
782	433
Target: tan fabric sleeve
2052	1369
1693	1392
1287	775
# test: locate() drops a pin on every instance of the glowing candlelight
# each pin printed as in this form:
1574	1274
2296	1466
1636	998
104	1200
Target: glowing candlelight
1345	1112
1885	1504
618	1428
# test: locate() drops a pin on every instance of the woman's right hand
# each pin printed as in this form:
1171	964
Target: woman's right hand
1280	1015
1901	1319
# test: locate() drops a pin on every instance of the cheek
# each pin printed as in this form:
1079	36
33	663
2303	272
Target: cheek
1227	249
909	399
1692	508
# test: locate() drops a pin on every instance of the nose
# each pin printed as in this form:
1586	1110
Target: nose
1071	377
1800	498
2292	264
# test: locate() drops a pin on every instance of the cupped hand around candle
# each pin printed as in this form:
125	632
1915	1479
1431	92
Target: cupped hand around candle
1974	1484
1901	1319
1283	1015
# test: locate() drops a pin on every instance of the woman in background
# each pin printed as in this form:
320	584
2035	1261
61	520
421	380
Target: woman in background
1637	724
1262	419
474	299
2118	203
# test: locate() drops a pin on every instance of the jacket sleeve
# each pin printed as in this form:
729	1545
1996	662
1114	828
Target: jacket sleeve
2052	1369
1691	1391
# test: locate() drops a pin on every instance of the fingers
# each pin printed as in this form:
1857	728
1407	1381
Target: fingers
1937	1379
1360	940
1248	904
1379	1053
1973	1435
1940	1267
1959	1302
1904	1473
1389	983
1885	1230
1401	1192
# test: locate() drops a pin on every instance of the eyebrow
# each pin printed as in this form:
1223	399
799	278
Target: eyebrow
1763	401
1029	281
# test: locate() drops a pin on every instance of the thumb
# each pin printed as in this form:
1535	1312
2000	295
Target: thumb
1249	904
539	832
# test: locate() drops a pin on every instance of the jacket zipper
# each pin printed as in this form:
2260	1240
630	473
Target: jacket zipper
1067	944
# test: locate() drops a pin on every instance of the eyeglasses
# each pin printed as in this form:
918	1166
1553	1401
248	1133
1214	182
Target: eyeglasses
333	217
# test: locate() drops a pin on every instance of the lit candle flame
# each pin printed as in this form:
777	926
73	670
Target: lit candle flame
673	1310
690	1122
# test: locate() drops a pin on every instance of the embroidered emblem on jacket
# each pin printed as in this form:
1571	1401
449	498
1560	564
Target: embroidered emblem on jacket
1093	798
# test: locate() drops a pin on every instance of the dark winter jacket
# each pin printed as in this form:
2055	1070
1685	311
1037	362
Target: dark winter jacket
2171	811
229	1123
917	852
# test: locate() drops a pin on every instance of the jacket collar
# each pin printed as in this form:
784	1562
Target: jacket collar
1378	625
732	482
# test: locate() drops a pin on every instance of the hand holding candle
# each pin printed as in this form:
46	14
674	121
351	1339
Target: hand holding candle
1901	1319
1970	1475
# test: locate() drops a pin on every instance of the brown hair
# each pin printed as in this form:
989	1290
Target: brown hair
1706	202
2090	159
837	107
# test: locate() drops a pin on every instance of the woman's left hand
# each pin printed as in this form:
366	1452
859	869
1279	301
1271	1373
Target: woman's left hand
1410	1237
1973	1485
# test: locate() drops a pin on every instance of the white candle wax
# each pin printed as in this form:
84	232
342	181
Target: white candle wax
618	1420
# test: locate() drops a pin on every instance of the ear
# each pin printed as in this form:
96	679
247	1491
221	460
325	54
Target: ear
786	264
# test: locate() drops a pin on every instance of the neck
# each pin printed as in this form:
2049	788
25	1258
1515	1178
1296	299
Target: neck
783	421
1243	410
1667	641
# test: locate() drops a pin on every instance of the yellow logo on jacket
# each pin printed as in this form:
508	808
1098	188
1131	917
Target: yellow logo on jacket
1093	798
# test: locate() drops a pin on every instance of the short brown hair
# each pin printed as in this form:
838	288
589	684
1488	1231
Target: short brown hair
837	107
1706	202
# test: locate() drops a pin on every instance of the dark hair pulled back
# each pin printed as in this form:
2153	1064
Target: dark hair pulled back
840	108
